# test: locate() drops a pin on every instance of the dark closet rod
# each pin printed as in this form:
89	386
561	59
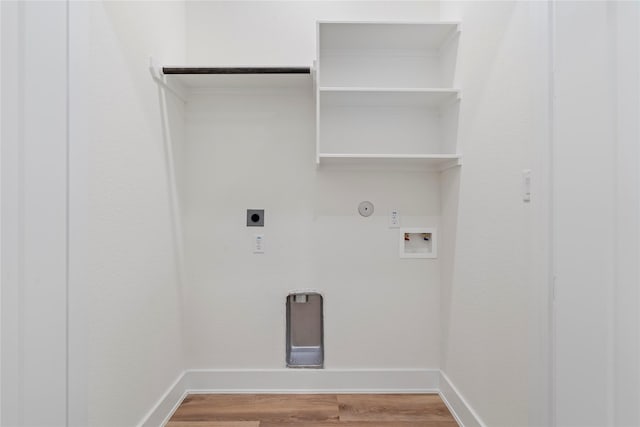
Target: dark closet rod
236	70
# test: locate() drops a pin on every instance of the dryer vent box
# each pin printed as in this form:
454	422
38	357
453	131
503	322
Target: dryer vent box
255	217
305	335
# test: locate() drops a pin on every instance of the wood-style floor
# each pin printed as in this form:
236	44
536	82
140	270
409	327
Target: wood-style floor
312	410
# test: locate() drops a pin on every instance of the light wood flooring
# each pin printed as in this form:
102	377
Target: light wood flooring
312	410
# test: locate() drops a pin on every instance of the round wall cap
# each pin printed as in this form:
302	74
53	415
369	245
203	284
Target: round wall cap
365	208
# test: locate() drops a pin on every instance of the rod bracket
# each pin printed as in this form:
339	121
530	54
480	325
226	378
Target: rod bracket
158	76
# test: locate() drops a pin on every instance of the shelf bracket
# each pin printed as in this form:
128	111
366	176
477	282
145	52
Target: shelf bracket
454	163
158	77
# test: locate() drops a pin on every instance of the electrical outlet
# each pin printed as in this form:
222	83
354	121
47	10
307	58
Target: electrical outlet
258	243
394	219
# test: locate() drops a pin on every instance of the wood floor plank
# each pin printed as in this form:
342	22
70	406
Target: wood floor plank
393	408
213	424
212	407
265	407
312	410
289	408
364	424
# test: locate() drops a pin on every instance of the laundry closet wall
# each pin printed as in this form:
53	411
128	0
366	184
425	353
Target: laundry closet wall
99	319
122	247
249	148
496	275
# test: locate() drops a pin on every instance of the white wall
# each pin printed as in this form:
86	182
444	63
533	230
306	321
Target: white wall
255	149
583	151
584	119
487	329
596	221
490	293
122	241
626	24
34	214
279	32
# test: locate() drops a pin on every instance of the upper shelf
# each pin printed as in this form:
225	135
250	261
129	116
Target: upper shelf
385	35
410	55
239	77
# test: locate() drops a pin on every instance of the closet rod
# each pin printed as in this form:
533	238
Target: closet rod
236	70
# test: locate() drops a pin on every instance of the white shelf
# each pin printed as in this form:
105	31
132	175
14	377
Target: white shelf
385	94
418	54
410	97
435	162
385	35
418	122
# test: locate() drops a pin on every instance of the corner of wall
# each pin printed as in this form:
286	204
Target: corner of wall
463	413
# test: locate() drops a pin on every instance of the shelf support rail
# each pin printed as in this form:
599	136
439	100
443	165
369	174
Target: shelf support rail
174	199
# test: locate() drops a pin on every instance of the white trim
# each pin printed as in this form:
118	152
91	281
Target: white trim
34	150
370	381
1	216
463	413
162	411
393	22
11	143
78	67
313	380
552	216
317	381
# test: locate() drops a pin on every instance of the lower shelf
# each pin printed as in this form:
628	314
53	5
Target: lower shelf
436	162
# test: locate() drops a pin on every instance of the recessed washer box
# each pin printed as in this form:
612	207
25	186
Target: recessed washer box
418	243
255	217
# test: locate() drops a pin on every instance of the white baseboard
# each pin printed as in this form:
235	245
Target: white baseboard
312	381
457	404
166	405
